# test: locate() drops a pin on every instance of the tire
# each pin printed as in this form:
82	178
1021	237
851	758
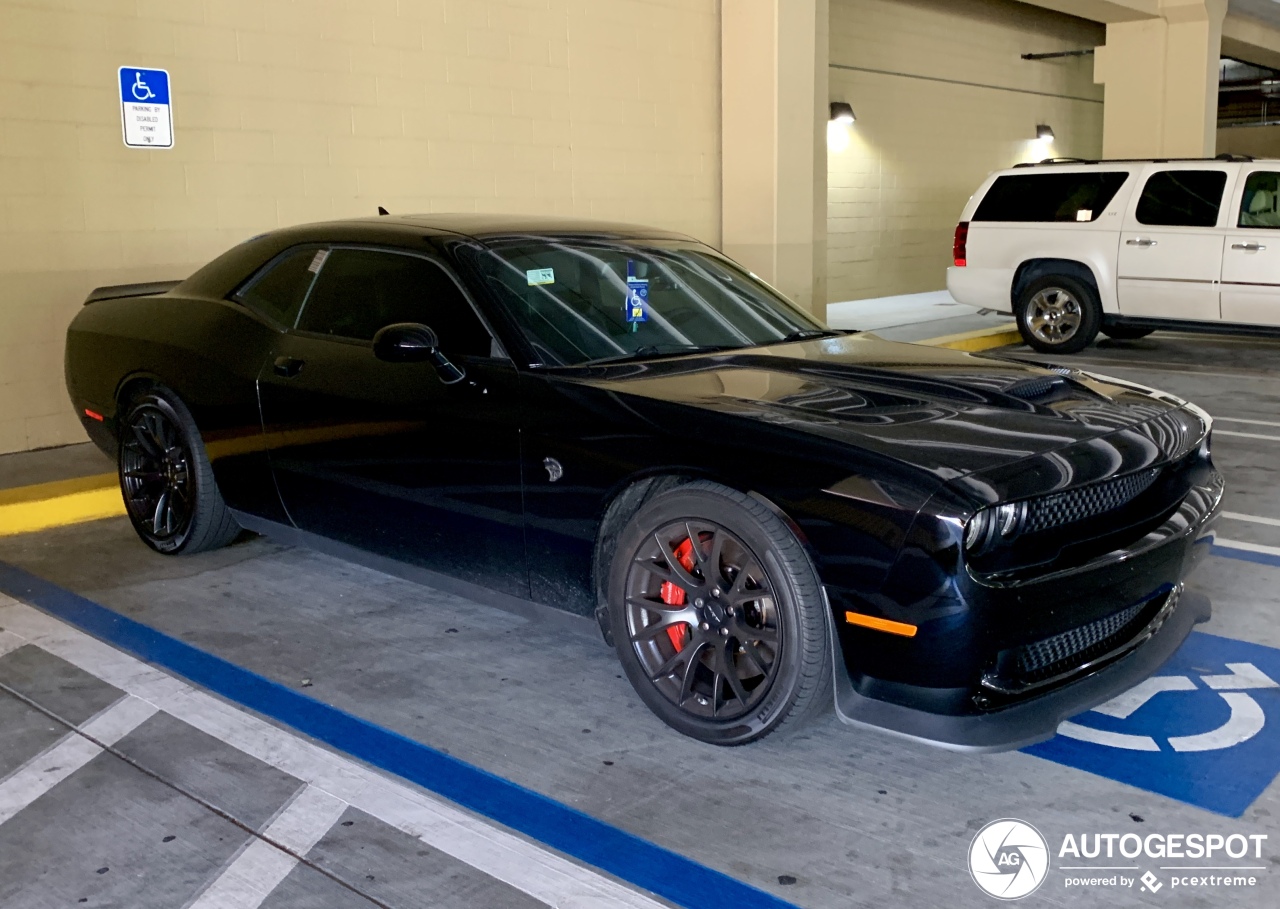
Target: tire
727	659
1122	332
169	491
1058	314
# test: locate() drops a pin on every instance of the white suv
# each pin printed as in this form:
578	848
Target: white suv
1124	247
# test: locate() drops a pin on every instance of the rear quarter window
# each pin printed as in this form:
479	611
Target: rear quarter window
1050	196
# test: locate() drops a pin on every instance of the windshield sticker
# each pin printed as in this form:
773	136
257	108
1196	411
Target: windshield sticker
317	261
537	276
1084	214
637	305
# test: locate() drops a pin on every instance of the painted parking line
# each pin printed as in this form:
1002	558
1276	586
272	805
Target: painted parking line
73	751
528	866
1250	518
1218	419
1246	435
1246	552
261	867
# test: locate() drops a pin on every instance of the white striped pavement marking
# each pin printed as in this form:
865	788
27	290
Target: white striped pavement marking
1251	518
1245	435
1247	547
53	765
524	865
1218	419
260	867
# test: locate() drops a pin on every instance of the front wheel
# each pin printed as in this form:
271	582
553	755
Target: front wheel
718	616
169	491
1058	314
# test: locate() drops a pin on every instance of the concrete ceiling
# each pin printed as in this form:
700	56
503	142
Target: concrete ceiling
1267	11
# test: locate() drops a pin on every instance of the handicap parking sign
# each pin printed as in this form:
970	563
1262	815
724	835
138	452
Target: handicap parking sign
145	112
1204	730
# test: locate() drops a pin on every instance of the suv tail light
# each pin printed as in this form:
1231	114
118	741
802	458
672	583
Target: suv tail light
958	250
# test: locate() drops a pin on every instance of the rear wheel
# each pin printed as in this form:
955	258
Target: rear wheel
1058	314
718	615
168	486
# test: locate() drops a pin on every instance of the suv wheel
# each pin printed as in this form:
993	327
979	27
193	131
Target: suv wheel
1058	314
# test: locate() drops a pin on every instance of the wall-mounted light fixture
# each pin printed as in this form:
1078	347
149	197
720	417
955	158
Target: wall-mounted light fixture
842	112
1044	132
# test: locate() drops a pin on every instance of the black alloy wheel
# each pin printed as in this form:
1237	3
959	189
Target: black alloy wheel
165	478
718	616
702	619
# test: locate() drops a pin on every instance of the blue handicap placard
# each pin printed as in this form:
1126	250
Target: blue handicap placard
1205	729
145	107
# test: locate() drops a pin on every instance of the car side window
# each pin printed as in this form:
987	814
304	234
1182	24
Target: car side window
360	291
280	290
1260	204
1182	198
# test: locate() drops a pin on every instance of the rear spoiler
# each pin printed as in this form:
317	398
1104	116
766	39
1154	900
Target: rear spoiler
116	291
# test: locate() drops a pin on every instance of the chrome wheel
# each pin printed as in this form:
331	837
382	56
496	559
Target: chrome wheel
156	476
702	619
1053	315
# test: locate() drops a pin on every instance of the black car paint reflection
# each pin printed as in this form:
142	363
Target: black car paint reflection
876	452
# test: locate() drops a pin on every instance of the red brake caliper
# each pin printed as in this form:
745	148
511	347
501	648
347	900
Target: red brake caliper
674	596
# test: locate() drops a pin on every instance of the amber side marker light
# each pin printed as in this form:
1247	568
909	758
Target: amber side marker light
92	415
870	621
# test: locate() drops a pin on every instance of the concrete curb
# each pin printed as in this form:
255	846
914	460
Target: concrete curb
982	339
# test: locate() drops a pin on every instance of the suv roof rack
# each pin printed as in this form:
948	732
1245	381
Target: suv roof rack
1226	156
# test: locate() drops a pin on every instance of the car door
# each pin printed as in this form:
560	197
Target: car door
1170	259
1251	259
390	456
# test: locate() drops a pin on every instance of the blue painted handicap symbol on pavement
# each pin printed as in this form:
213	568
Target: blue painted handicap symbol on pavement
145	111
1204	730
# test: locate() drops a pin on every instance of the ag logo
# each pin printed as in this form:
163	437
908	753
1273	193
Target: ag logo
1008	859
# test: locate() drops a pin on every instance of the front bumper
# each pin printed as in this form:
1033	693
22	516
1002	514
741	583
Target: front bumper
987	713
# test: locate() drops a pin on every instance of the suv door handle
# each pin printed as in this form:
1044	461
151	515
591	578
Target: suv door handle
1141	241
288	366
1252	247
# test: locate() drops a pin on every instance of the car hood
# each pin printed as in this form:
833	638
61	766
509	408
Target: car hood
948	412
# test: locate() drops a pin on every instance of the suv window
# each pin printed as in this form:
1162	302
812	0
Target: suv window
1258	207
360	291
279	291
1050	196
1182	198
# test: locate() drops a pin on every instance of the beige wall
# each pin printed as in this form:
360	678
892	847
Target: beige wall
920	147
297	111
1258	141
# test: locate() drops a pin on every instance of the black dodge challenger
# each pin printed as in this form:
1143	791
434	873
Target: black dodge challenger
621	422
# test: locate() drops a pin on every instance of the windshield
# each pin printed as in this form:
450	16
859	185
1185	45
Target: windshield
584	301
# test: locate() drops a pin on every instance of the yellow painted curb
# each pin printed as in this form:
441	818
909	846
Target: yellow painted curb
982	339
30	508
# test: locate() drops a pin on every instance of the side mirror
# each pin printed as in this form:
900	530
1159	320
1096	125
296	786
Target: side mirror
412	342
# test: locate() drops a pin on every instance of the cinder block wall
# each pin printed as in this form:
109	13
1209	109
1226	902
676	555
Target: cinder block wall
921	146
288	112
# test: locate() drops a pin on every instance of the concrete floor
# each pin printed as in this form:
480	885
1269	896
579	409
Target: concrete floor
830	817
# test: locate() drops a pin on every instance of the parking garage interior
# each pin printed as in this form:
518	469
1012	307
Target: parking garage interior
281	723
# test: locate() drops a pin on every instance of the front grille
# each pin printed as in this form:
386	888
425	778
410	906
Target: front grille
1062	652
1087	501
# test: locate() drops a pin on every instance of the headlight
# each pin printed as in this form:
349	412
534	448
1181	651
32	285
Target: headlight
1003	522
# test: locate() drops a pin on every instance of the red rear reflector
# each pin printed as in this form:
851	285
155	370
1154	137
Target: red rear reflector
958	248
92	415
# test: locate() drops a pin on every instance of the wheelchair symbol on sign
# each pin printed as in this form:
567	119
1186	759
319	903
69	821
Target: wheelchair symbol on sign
141	90
1246	719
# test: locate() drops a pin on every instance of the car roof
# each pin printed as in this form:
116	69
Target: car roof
491	226
1106	162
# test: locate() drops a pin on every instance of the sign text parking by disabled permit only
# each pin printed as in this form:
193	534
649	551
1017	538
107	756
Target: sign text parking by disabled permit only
1205	729
145	111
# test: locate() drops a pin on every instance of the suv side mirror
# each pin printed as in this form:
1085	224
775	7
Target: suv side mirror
412	342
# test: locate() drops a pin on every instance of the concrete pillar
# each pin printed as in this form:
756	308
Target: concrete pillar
773	142
1161	77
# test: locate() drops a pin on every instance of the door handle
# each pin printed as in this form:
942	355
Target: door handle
1142	241
1252	247
287	366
